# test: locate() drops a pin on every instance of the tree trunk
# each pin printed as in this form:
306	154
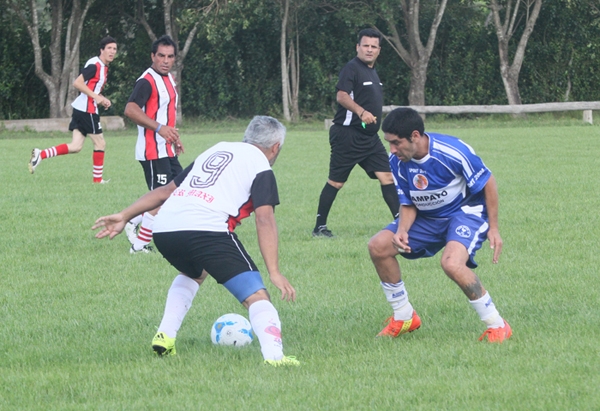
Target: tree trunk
176	72
285	81
73	92
57	82
294	59
418	78
418	55
504	31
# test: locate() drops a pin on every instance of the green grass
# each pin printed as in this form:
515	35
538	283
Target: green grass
78	313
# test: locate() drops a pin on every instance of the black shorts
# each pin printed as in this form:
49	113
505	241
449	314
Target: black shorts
350	147
221	254
160	172
86	123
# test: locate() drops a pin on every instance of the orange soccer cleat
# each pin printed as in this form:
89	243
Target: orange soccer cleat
394	328
497	334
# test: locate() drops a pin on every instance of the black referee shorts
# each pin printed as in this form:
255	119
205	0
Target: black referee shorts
221	254
350	147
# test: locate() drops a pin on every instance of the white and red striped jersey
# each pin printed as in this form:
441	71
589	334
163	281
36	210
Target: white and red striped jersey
157	96
94	73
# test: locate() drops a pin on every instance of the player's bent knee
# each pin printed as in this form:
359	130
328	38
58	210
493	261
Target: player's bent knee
260	295
379	246
451	265
245	284
335	184
385	178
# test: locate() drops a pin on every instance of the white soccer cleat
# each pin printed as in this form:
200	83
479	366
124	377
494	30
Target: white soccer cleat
131	231
147	249
35	159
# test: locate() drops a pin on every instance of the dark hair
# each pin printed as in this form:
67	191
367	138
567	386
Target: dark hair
106	40
369	33
402	121
163	41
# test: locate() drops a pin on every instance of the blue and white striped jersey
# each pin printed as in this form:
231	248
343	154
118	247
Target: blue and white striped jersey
447	179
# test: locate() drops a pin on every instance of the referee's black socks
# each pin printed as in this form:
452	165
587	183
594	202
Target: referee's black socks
325	202
390	195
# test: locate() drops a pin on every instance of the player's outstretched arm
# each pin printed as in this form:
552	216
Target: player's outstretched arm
266	229
113	224
491	201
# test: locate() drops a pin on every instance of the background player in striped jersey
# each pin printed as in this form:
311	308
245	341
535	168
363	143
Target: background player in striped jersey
85	120
195	232
153	107
449	200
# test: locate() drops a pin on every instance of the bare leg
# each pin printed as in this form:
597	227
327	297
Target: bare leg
454	264
383	254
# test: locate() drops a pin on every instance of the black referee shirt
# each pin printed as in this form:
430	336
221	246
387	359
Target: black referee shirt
362	84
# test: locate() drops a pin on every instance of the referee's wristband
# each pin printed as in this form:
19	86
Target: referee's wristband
158	128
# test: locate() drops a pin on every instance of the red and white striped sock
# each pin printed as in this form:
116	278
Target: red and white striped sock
59	150
145	232
98	160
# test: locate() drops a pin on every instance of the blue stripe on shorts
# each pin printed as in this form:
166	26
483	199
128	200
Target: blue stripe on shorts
244	285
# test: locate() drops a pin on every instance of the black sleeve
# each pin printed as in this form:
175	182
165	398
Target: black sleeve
181	176
264	190
347	79
141	92
88	72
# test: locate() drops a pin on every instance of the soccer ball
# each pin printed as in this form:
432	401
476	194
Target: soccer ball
231	329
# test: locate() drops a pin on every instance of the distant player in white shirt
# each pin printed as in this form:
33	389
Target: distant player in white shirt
85	120
194	231
448	200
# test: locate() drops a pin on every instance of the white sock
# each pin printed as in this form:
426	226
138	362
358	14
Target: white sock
137	219
267	328
179	300
145	232
487	311
398	298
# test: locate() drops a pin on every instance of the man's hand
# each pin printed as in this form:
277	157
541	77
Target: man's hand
400	241
102	101
367	117
178	147
112	225
495	243
287	291
171	135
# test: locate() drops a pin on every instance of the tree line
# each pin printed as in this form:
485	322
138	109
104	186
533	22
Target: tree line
238	58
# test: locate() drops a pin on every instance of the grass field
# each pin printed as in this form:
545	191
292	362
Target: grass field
78	313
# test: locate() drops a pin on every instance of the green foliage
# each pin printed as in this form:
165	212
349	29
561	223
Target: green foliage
21	93
233	67
79	313
464	68
557	64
